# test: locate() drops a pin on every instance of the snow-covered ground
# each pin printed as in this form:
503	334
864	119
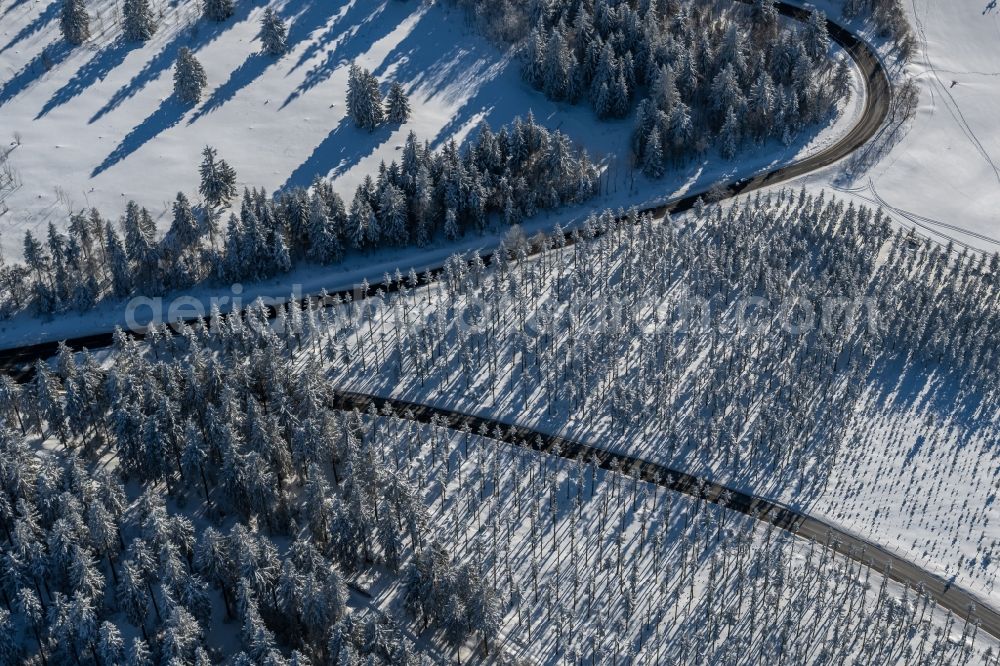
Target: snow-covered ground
97	126
916	471
942	176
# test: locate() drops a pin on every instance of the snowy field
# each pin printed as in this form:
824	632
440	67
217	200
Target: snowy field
943	176
97	126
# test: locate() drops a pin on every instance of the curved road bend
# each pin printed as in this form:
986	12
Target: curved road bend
946	594
878	95
17	362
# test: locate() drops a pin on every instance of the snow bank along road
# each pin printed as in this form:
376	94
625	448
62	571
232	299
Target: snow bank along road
948	596
878	95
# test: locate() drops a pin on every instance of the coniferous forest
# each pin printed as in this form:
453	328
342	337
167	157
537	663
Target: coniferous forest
211	476
755	425
696	78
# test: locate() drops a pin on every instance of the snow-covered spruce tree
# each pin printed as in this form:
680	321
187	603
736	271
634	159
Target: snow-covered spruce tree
74	22
117	261
189	77
729	135
324	244
184	229
451	229
273	33
652	160
139	24
218	179
397	104
364	100
218	10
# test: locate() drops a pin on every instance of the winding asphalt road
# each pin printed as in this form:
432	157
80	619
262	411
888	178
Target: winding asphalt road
945	593
17	362
878	96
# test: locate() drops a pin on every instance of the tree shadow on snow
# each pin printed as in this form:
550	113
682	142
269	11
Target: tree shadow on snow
11	7
307	19
349	36
304	17
433	71
342	149
169	114
50	12
98	67
238	79
195	37
435	63
51	56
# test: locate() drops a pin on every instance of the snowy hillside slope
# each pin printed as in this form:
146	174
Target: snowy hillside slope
905	456
943	176
97	126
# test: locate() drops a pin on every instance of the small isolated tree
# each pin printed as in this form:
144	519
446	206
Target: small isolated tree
189	77
139	22
74	22
218	10
218	179
273	33
397	104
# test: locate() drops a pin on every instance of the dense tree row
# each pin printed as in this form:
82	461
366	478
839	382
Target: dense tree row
139	22
706	74
507	175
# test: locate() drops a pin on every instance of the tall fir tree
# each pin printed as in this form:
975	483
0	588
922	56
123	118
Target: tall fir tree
218	179
652	159
273	33
397	104
74	22
184	229
729	135
121	275
138	22
364	99
324	245
189	77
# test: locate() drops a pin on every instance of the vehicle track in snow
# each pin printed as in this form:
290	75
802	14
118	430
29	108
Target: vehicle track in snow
949	99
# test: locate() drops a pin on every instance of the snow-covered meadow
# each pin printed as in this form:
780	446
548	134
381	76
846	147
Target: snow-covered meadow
940	173
96	125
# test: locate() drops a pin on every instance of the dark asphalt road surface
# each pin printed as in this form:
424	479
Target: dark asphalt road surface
878	95
17	362
945	593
